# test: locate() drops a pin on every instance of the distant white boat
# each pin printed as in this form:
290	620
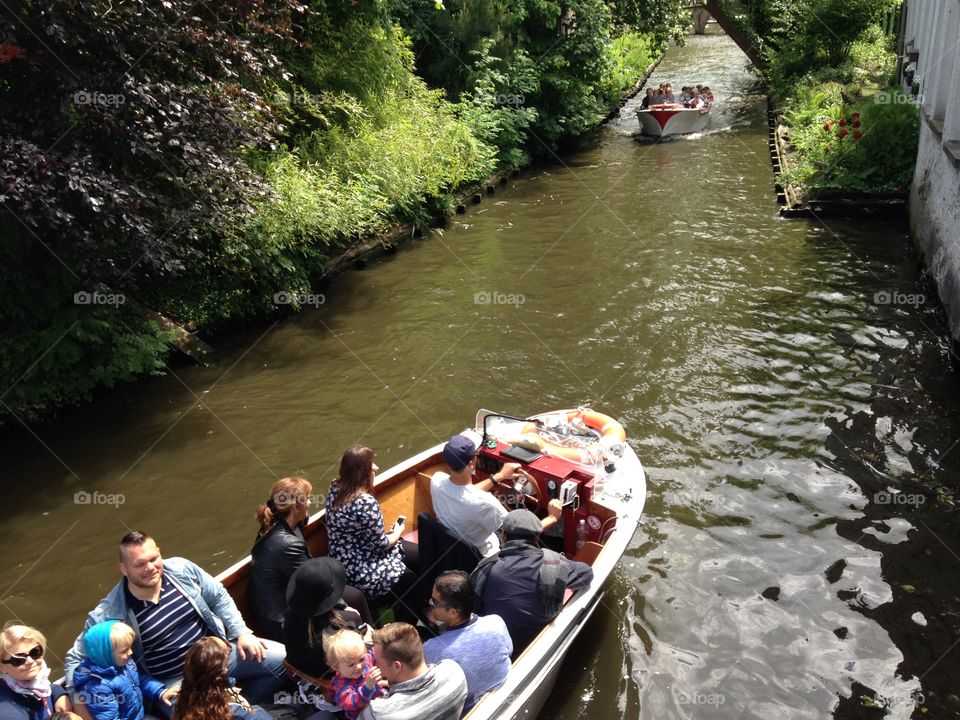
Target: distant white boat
672	119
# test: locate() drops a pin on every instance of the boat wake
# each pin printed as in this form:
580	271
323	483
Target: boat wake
650	139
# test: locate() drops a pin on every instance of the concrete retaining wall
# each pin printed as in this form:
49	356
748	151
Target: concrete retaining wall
935	219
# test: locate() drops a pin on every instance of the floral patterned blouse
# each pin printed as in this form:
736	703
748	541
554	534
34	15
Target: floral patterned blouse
357	539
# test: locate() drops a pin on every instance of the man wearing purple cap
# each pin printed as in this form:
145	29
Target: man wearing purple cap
469	511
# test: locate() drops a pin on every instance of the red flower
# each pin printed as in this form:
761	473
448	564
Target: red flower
857	134
856	115
856	122
9	52
826	127
843	133
843	122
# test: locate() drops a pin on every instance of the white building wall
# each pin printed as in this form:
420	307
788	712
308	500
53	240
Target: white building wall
933	28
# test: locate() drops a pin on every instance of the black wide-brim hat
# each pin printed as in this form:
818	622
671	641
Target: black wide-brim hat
316	587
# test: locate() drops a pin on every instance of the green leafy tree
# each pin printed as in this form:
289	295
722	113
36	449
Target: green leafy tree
661	20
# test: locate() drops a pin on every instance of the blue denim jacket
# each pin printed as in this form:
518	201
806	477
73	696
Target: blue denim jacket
206	594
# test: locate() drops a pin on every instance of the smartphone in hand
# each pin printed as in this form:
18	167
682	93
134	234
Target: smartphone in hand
400	521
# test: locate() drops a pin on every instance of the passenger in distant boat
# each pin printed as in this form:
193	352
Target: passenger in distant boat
648	98
206	693
316	610
524	583
415	690
171	605
469	511
377	562
668	96
480	645
26	692
279	550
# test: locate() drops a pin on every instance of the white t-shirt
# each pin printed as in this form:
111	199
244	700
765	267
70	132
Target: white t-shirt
472	515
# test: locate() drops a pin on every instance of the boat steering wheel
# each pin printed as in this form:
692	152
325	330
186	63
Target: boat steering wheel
519	493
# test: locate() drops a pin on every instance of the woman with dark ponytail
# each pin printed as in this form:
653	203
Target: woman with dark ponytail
278	551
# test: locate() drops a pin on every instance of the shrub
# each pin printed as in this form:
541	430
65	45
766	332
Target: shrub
630	55
868	146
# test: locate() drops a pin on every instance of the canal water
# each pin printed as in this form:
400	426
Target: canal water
787	385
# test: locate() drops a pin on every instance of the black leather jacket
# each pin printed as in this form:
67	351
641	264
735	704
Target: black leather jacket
273	559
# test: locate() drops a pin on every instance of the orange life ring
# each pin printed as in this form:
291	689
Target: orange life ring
610	431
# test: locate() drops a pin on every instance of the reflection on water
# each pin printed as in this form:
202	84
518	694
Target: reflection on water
784	412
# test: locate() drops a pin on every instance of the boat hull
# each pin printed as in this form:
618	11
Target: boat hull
672	120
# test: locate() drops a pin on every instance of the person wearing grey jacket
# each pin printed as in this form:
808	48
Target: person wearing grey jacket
415	690
171	604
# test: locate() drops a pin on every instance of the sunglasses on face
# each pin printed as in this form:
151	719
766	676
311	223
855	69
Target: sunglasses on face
18	660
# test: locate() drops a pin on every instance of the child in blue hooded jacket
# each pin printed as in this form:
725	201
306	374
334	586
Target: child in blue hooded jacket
108	681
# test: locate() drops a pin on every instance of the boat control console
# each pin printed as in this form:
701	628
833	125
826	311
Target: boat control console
556	478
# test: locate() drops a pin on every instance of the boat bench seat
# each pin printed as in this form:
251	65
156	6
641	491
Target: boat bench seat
423	503
424	494
440	551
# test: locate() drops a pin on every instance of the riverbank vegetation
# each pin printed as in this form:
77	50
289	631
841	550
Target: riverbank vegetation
831	72
173	160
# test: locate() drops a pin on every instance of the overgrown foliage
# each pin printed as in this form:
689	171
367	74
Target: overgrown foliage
630	55
533	72
865	145
119	163
830	70
800	38
658	20
196	159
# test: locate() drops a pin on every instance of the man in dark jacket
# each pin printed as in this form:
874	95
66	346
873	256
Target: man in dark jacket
524	584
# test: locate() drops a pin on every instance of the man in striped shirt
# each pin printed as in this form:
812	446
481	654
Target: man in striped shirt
171	604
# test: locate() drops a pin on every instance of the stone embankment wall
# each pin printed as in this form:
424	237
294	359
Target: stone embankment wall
935	219
930	72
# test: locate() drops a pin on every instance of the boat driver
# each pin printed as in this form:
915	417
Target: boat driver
469	511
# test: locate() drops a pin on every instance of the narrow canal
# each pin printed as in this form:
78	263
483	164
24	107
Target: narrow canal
788	392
